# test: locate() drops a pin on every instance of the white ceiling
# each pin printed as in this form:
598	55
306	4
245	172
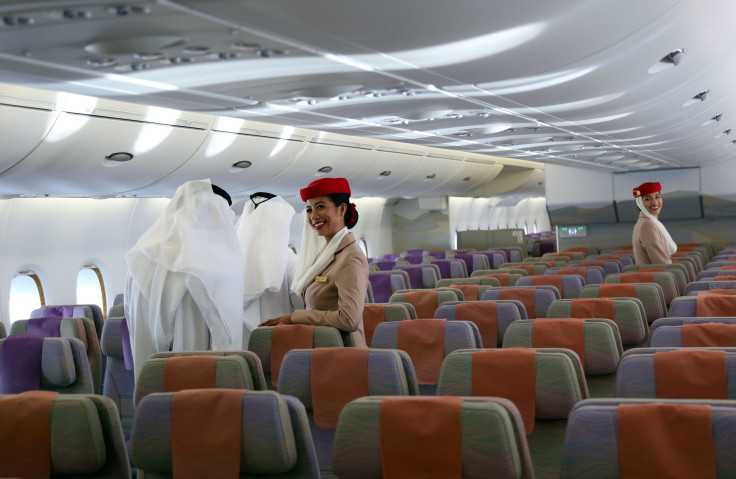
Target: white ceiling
580	83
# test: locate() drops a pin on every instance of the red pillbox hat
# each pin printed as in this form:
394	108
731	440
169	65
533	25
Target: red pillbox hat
325	186
647	189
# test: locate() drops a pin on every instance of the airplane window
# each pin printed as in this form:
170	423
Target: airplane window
364	247
26	294
91	287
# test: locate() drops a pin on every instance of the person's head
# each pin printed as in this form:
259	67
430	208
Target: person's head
650	194
328	206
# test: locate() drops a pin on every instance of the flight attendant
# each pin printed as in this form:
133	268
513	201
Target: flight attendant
332	275
652	243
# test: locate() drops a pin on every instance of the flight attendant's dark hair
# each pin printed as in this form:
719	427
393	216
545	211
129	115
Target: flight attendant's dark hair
351	214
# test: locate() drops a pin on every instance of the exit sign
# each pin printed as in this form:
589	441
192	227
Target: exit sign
573	231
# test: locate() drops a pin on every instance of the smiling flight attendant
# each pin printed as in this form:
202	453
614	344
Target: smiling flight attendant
652	243
332	275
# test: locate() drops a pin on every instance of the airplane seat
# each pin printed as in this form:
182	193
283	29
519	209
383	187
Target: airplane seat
385	265
326	379
3	334
91	311
30	363
165	372
570	255
484	434
473	261
608	266
427	342
222	433
473	292
714	302
678	271
677	373
424	301
650	295
492	318
568	285
531	268
693	288
535	299
451	268
665	279
597	343
661	438
373	314
626	313
474	280
695	332
45	434
543	384
495	258
80	328
384	283
421	275
271	346
692	256
118	299
119	383
504	279
116	311
591	274
587	250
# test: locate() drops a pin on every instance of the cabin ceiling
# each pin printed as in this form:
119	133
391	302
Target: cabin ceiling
572	82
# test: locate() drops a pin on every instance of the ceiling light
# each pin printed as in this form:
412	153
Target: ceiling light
148	55
701	96
467	178
325	169
138	66
226	55
179	60
385	173
73	14
675	56
430	177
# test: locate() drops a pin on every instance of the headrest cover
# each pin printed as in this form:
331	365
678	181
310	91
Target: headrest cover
647	189
325	186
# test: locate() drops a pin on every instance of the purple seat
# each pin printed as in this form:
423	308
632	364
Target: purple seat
119	384
385	265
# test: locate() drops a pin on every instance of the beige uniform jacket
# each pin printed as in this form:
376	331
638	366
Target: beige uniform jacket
337	295
650	245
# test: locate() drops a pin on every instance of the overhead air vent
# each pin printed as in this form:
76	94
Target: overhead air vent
675	56
385	173
325	169
467	178
430	177
241	165
116	159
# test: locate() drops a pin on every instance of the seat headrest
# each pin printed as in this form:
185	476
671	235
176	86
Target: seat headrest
231	372
77	440
57	363
267	445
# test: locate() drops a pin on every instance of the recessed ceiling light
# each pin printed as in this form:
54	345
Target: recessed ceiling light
148	55
385	173
16	20
138	66
71	13
325	169
242	164
467	178
430	177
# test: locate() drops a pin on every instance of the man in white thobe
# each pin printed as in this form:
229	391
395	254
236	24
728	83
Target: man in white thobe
270	266
185	277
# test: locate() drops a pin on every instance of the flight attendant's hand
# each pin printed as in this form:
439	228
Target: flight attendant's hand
285	319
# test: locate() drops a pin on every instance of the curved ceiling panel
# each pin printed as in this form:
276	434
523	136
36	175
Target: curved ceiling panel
72	158
238	163
386	168
22	129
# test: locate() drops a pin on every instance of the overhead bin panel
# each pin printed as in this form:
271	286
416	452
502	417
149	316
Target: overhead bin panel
236	162
474	174
384	170
429	177
320	159
21	130
72	158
